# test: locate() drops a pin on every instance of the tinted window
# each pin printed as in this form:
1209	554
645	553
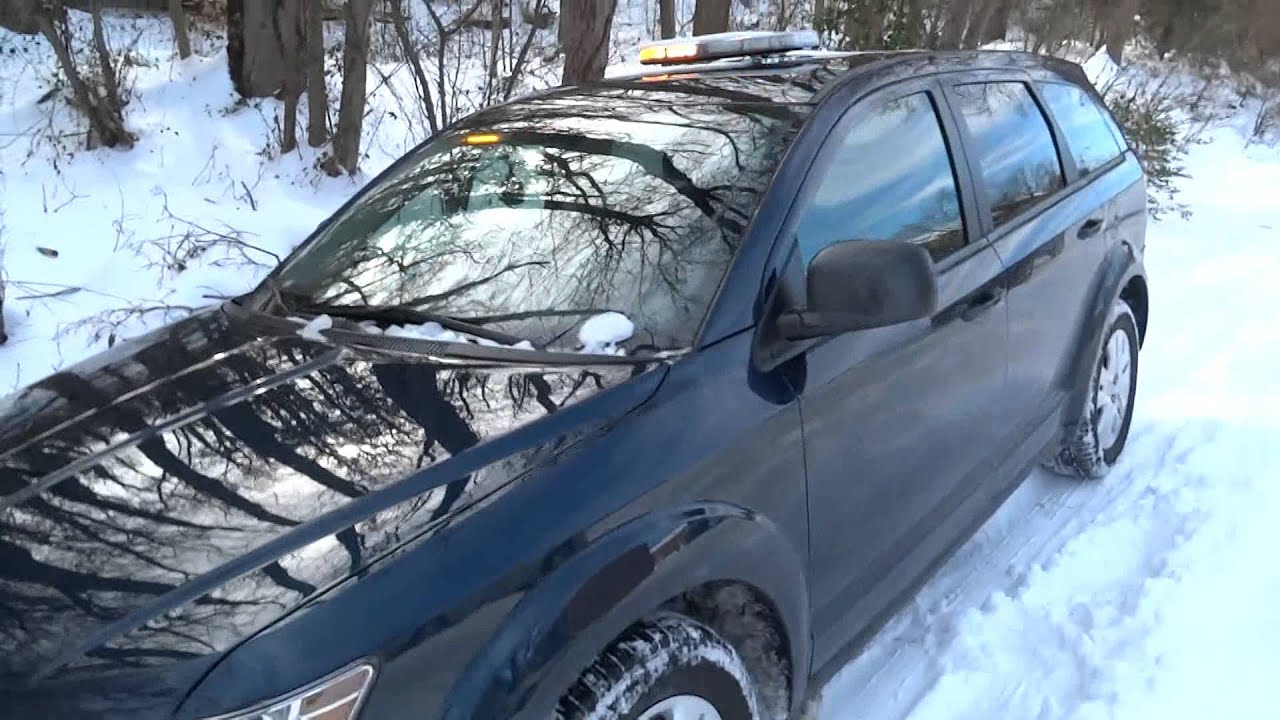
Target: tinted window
890	178
1087	127
1012	144
548	215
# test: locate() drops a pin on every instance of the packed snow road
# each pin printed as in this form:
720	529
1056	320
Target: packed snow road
1154	593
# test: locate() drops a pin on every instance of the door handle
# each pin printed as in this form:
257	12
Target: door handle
1091	228
983	302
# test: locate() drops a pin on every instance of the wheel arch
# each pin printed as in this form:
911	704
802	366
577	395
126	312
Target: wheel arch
698	560
1135	294
1121	276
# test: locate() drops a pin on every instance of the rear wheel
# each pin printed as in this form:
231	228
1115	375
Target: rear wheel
1100	434
668	668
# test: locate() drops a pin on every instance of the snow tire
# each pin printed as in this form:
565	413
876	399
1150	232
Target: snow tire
666	657
1082	454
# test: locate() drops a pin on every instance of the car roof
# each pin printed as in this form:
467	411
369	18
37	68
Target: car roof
790	84
804	77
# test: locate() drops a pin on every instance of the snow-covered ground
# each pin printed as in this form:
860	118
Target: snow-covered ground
1154	593
202	206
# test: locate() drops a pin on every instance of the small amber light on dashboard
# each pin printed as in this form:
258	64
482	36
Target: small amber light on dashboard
482	138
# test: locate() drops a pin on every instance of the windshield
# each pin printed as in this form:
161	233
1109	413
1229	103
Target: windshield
548	216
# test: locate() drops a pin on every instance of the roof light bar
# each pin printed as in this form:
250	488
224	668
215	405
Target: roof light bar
725	45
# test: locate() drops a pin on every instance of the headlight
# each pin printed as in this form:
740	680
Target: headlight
337	697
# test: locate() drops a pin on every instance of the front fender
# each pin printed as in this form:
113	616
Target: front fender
561	626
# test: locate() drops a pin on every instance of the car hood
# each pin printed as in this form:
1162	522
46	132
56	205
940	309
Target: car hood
168	499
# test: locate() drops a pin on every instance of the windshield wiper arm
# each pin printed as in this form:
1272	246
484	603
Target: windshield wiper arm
401	315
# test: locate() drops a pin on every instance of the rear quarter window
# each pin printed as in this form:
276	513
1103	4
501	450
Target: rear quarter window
1092	137
1012	144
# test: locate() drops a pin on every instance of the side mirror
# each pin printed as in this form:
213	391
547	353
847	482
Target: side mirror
863	284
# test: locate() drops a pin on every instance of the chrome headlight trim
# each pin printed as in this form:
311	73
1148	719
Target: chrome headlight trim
349	685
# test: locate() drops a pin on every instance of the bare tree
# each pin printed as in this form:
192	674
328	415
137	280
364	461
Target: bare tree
989	22
253	49
587	50
667	18
110	82
1119	27
181	34
103	108
355	62
400	24
291	30
957	20
710	16
317	93
562	30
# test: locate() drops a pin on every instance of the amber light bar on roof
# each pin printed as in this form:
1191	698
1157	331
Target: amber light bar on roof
725	45
481	138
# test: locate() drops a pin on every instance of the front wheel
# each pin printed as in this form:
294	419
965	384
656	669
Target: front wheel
668	668
1100	434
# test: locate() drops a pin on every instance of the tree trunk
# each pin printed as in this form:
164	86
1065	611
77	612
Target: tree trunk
355	63
954	27
587	51
667	18
181	35
495	46
106	124
710	16
291	31
253	50
567	9
110	83
317	93
985	20
913	26
997	24
1119	29
19	16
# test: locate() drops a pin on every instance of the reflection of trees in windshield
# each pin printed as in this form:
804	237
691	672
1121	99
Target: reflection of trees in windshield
83	545
594	204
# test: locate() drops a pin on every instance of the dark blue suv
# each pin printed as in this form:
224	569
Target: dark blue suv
647	399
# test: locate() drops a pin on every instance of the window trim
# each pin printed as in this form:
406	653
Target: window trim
856	109
1067	164
1080	178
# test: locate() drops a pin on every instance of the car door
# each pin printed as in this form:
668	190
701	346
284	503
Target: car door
1047	235
897	421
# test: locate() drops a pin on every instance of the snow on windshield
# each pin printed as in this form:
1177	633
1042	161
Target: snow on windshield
600	334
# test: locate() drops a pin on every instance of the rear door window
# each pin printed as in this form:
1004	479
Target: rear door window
890	177
1012	145
1089	130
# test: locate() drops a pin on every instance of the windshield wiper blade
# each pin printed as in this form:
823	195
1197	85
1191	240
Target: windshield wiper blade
401	315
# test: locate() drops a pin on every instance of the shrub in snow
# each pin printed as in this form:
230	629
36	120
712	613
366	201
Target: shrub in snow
1155	129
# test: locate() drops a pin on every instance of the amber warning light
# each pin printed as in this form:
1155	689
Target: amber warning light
725	45
482	139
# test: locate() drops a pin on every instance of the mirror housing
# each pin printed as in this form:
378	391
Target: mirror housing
863	284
